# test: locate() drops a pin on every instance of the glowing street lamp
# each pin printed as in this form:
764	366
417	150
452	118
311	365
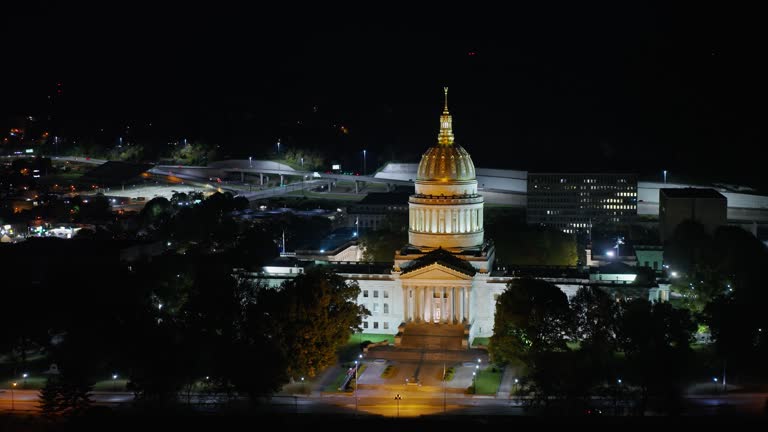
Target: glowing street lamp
13	406
356	369
114	380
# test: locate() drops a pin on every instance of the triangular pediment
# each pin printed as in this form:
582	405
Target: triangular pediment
436	271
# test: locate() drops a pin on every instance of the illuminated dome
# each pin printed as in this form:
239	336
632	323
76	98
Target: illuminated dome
446	160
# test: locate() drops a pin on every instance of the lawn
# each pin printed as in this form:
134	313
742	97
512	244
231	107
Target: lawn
481	341
488	381
30	383
373	337
110	385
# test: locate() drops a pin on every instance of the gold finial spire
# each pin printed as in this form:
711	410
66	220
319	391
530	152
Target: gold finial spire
446	129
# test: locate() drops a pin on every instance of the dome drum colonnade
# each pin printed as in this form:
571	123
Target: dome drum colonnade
446	210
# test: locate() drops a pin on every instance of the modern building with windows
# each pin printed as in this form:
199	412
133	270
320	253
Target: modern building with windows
575	202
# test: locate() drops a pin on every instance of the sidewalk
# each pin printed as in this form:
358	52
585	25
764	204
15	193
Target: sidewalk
507	383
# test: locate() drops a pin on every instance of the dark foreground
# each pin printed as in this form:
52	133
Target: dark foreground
145	422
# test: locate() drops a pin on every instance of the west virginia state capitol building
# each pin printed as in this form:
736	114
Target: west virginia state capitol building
443	276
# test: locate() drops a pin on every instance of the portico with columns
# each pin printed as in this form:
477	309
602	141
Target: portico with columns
446	250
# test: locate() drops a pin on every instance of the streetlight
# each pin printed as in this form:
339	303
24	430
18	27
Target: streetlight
114	380
250	159
356	369
13	406
397	398
278	146
364	158
665	176
714	380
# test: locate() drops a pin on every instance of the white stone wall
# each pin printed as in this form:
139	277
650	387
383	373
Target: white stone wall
483	306
394	316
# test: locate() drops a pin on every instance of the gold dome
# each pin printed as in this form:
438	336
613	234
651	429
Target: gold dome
446	161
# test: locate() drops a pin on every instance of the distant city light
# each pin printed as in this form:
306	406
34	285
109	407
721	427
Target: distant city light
609	253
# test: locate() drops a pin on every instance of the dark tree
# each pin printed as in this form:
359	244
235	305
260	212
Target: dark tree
312	316
656	338
595	314
531	316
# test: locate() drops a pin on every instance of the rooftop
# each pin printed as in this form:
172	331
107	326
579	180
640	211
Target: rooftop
691	193
386	198
116	172
442	257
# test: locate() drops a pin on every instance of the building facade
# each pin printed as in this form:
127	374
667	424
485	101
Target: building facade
575	202
706	206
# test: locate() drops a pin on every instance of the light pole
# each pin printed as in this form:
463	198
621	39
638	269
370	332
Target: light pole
397	398
665	176
278	146
364	160
356	369
114	381
714	380
474	383
25	375
250	160
13	406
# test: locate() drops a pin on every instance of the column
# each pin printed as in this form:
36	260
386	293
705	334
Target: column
455	304
405	304
428	304
419	292
443	307
480	213
434	220
466	301
261	179
461	304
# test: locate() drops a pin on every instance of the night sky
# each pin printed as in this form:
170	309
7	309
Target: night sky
632	88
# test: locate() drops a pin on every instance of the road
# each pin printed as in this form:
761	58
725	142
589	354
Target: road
412	404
